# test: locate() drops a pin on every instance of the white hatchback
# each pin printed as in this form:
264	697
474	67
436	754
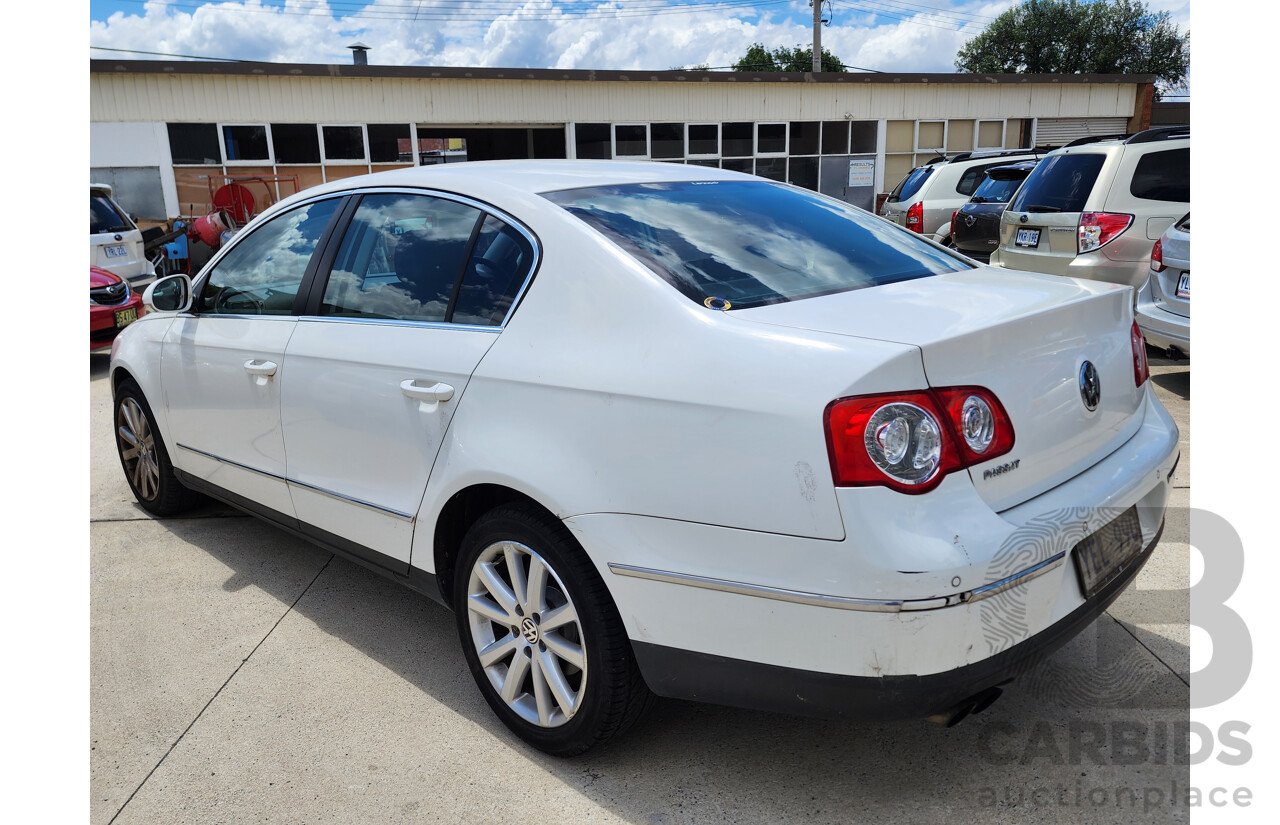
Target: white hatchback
661	429
115	242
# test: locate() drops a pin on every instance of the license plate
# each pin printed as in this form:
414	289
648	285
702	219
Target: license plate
126	316
1027	237
117	251
1102	556
1184	286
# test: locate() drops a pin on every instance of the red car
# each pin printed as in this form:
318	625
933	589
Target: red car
112	307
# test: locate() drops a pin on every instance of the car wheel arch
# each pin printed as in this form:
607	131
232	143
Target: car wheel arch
463	509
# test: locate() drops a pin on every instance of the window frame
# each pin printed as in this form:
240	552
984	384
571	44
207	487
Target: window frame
364	140
688	143
613	140
269	160
271	137
217	132
977	130
786	139
935	149
411	133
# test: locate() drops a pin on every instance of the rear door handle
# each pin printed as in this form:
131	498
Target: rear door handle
260	367
435	392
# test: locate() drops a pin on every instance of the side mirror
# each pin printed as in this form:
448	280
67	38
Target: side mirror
171	294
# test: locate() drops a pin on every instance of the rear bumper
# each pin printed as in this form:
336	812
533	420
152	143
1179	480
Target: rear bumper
686	674
883	621
1161	328
1091	266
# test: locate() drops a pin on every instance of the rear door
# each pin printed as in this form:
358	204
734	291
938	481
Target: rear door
415	294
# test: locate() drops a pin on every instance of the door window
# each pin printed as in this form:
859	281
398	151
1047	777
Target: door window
262	273
401	258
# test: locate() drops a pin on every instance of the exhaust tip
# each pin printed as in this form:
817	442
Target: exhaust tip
976	703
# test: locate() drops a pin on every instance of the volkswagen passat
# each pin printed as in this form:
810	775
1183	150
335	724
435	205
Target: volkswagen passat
659	429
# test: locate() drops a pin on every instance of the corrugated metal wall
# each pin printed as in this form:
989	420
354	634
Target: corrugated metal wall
1060	131
454	101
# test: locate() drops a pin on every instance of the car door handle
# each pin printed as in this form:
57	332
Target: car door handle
435	392
260	367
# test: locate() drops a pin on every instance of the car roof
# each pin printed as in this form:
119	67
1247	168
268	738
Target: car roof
531	176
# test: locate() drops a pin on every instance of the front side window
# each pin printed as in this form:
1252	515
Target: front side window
739	244
401	258
261	274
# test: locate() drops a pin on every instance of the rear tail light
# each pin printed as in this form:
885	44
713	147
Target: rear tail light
910	441
1141	371
1097	229
952	231
915	216
1157	258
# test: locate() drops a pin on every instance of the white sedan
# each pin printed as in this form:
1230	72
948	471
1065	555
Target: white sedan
662	429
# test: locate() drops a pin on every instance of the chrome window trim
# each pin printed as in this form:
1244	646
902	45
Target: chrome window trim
841	602
486	209
391	322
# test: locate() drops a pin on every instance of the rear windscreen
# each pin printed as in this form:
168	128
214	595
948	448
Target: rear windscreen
1060	183
911	183
104	217
739	244
995	191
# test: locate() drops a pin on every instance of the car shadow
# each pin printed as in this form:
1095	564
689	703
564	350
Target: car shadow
99	363
1177	382
744	765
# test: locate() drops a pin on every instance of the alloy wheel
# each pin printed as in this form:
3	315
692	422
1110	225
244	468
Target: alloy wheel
138	449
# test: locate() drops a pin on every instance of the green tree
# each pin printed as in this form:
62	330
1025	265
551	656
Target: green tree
782	59
1073	37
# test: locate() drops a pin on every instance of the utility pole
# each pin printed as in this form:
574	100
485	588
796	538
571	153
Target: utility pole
817	35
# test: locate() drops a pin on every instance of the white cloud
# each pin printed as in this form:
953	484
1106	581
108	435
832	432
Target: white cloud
539	34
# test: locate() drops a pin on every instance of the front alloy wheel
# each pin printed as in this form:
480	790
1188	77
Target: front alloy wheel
138	450
526	634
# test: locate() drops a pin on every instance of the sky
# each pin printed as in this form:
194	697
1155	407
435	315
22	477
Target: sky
881	35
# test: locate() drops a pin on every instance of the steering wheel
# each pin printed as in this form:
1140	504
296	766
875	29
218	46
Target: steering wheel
248	305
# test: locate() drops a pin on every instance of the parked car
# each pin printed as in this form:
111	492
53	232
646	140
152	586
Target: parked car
112	307
1093	208
1164	302
975	227
662	429
929	195
115	243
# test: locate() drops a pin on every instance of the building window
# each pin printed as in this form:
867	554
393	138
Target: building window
736	139
246	143
591	140
990	134
390	143
295	142
862	137
738	164
704	140
631	140
771	138
804	172
931	137
772	168
667	140
804	137
194	143
343	142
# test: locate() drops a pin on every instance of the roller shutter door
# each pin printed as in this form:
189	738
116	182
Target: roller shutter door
1057	131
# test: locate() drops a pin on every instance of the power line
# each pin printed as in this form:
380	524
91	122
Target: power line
167	54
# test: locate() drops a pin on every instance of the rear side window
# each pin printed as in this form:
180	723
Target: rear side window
1163	176
1060	183
739	244
261	274
996	191
401	258
911	183
495	271
104	217
973	178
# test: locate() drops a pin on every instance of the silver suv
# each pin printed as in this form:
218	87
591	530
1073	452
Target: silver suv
1093	208
926	198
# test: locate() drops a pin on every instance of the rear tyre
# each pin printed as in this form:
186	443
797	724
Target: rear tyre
541	635
144	458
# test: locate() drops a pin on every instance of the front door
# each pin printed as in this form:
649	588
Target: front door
223	364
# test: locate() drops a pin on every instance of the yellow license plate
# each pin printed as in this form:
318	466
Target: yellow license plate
126	316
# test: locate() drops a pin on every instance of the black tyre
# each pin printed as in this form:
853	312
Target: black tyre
541	635
144	458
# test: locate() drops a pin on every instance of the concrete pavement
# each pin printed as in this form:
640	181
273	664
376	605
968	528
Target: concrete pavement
241	675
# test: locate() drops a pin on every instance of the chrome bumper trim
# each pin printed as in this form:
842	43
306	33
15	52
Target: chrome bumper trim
841	602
